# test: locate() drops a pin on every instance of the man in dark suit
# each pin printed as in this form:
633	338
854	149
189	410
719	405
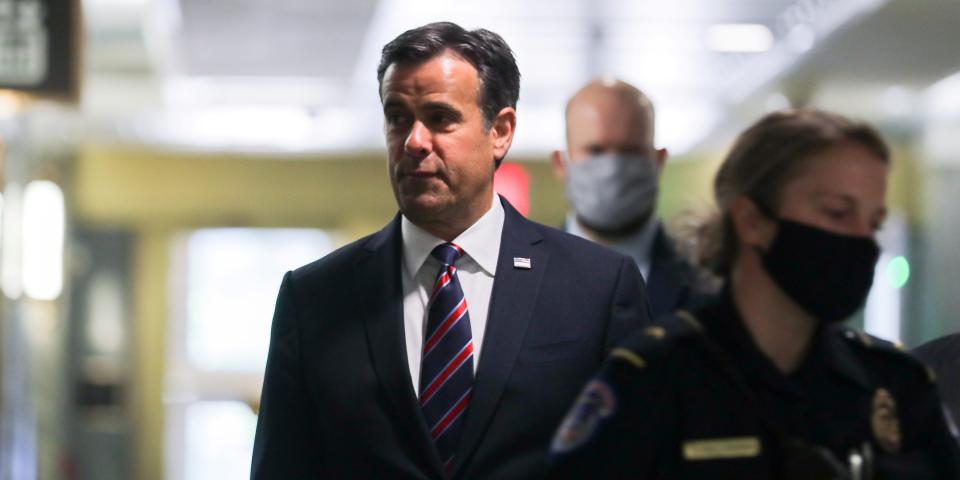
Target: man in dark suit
943	356
450	343
612	173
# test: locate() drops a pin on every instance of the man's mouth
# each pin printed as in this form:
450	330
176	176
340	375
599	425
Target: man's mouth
421	174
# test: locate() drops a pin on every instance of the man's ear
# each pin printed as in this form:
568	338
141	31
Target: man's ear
502	131
559	168
660	158
753	228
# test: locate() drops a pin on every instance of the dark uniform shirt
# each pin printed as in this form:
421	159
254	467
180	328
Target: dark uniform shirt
693	397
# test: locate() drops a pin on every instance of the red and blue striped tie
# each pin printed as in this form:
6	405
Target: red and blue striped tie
446	371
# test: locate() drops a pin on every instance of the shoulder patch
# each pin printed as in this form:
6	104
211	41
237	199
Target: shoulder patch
597	402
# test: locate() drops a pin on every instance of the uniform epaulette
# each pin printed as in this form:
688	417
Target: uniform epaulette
655	340
885	347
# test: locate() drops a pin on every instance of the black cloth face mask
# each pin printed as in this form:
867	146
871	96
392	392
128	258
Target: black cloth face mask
827	274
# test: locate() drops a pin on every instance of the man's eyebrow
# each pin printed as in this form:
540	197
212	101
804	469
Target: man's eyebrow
389	103
444	107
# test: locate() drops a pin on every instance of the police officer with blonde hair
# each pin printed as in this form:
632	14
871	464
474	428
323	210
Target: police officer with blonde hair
765	382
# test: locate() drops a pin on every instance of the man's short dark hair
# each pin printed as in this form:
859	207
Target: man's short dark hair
485	50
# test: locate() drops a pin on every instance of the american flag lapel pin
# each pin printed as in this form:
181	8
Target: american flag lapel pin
521	262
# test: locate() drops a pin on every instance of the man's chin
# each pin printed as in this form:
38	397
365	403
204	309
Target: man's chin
426	208
624	229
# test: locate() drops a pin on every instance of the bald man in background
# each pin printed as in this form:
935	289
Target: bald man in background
612	169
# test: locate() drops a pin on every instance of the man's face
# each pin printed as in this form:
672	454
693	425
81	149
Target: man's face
615	194
604	125
441	156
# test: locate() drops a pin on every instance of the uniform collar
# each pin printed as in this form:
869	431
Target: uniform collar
481	241
831	347
840	340
725	327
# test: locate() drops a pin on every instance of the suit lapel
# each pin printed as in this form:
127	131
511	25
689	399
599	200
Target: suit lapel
378	273
514	295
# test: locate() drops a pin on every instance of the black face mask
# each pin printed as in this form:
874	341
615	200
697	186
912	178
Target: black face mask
827	274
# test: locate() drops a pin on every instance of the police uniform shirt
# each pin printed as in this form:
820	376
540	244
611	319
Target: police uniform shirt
698	399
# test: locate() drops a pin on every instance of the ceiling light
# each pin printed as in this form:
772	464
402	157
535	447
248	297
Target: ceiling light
801	38
43	237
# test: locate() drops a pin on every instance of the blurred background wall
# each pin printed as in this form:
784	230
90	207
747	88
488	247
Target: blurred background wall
163	162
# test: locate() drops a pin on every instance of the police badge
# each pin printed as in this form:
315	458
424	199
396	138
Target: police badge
884	421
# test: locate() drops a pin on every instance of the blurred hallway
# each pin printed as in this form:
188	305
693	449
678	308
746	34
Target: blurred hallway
164	162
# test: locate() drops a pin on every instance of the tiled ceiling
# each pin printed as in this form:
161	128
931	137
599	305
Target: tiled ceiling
309	65
282	38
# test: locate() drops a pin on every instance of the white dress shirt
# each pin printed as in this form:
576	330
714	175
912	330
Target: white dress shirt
638	246
475	269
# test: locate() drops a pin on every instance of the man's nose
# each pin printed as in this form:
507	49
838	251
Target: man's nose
419	140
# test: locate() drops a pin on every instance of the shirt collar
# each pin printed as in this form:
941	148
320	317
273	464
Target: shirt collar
639	245
481	241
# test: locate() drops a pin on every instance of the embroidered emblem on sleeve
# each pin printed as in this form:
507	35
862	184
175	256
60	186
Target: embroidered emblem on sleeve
595	403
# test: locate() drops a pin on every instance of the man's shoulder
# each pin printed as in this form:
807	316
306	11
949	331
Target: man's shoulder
940	351
667	250
336	262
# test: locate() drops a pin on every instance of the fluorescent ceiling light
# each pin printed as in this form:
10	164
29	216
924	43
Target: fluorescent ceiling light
114	3
43	236
943	98
738	37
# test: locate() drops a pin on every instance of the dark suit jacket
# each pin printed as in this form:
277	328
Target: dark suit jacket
673	283
943	356
338	401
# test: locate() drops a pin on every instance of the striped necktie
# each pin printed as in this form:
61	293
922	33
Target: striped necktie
446	371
